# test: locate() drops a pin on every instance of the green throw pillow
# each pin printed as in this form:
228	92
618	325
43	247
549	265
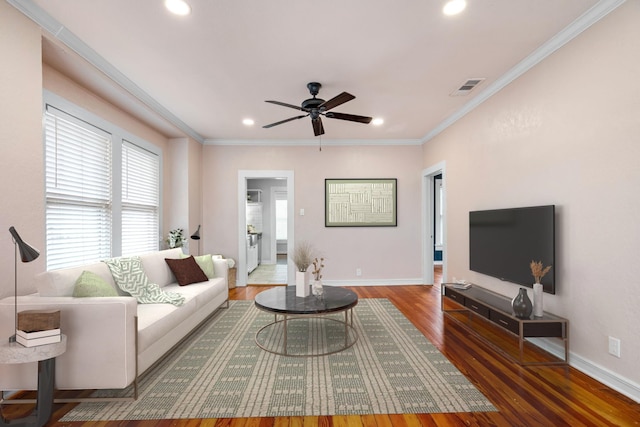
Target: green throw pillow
205	262
130	277
89	284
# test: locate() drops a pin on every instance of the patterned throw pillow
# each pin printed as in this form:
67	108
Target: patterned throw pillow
89	284
186	270
130	277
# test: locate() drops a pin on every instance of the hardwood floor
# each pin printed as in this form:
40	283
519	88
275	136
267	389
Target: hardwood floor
538	396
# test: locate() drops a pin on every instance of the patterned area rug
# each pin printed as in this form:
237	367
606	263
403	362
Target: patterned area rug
220	372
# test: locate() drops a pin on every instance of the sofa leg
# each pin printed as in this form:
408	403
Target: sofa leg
227	304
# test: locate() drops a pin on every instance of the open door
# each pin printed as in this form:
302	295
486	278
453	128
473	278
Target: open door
431	221
286	178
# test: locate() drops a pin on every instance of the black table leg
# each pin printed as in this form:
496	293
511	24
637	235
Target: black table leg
44	402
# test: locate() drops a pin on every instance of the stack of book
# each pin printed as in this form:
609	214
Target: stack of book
32	339
38	327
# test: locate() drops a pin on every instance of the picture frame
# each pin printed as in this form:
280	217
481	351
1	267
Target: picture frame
361	202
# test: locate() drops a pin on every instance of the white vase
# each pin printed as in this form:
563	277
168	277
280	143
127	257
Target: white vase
302	283
538	309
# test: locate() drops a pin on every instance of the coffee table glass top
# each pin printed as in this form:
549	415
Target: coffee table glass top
283	300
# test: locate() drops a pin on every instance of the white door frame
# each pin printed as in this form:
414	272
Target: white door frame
243	175
428	221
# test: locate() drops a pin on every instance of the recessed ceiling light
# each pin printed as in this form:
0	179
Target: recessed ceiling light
178	7
454	7
377	121
248	122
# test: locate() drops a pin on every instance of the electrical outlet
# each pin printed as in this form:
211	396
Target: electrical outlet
358	272
614	346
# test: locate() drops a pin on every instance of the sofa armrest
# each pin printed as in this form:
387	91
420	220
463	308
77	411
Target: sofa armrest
101	342
221	269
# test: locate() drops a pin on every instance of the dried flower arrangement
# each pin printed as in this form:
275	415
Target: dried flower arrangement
302	257
176	238
538	270
317	268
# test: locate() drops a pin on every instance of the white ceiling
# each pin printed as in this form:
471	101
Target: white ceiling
202	74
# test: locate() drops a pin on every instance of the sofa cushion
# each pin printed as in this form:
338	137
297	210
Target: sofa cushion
155	321
89	284
60	283
187	270
157	269
130	276
205	262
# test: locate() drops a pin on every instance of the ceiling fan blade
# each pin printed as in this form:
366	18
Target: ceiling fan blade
284	121
349	117
336	100
318	129
284	104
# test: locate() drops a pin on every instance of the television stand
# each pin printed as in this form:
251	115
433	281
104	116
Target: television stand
480	309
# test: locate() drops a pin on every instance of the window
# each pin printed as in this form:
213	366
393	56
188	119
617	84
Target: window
281	215
140	193
102	190
78	191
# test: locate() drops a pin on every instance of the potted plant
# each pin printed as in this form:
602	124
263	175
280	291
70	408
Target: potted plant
176	238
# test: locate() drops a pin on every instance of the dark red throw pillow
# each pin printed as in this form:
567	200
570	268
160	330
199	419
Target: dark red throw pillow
186	270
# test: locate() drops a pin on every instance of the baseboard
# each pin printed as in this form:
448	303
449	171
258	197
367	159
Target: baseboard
380	282
595	371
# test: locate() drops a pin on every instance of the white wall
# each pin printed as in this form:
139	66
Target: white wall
21	148
566	133
385	254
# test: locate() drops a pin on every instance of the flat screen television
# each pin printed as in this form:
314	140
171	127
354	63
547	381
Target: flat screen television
503	242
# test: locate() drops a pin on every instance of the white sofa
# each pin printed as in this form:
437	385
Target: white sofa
112	340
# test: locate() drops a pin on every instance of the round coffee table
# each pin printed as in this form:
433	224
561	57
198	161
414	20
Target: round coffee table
283	302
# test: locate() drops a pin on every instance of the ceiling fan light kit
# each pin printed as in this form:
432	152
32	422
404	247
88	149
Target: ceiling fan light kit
316	108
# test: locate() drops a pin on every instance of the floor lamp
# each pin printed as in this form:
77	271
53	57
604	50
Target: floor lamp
27	254
196	236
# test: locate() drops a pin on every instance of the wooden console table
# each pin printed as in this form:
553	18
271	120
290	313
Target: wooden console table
496	309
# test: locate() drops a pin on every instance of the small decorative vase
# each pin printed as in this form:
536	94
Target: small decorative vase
302	283
538	310
316	288
521	304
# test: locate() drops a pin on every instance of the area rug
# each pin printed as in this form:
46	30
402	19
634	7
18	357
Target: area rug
219	372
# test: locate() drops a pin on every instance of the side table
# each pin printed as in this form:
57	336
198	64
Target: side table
45	355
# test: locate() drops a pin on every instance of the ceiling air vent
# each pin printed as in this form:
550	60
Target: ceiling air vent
467	87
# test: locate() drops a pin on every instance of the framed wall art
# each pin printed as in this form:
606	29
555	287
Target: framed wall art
360	202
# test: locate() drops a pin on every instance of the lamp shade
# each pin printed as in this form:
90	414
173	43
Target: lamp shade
27	253
196	235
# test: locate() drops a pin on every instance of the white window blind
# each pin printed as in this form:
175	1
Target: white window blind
140	200
78	191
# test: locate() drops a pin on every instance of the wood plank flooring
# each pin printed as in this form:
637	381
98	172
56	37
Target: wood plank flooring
535	396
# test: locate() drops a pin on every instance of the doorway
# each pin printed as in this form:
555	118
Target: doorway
254	194
434	224
267	219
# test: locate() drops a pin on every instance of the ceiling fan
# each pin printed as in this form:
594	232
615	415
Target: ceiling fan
316	107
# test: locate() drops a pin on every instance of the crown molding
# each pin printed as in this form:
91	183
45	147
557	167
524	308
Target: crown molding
44	20
312	142
57	30
590	17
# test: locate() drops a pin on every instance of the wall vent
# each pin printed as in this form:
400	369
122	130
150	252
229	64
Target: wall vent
467	87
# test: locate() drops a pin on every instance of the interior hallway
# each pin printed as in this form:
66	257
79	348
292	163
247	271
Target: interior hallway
270	274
